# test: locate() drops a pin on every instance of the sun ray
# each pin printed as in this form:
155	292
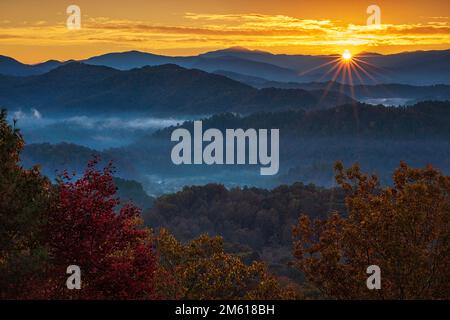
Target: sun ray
372	78
361	81
350	80
329	71
327	88
344	70
377	70
318	67
357	73
375	81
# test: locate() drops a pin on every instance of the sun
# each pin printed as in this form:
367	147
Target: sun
346	56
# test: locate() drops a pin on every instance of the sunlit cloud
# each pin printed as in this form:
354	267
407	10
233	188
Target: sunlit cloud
222	30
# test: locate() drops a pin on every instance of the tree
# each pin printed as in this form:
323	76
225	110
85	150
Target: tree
24	198
112	248
403	229
201	269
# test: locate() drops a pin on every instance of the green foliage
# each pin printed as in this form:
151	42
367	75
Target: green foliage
24	199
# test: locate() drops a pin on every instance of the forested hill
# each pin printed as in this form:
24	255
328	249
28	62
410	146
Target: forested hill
256	223
423	120
167	89
310	142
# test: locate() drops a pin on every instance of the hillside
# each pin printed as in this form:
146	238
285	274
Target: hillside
166	89
377	137
361	92
423	120
257	223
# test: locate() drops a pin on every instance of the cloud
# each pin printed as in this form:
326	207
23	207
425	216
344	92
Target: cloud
36	114
218	30
117	123
18	115
33	116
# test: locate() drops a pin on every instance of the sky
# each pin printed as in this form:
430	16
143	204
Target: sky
33	31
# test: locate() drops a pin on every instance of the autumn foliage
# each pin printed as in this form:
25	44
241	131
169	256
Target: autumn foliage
86	228
45	227
403	229
202	270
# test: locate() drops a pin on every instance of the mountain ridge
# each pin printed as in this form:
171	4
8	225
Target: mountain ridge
168	88
414	67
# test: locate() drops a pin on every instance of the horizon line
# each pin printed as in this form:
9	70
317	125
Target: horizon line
242	49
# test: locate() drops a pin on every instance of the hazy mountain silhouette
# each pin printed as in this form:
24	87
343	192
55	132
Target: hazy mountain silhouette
12	67
418	67
136	59
415	68
168	89
431	92
129	60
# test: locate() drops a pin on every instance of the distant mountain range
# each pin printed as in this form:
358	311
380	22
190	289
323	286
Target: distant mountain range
424	120
12	67
377	91
77	87
413	68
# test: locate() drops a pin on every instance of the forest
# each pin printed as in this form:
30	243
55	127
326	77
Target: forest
208	242
376	137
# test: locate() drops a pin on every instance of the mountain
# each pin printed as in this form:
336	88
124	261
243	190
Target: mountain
413	68
166	89
12	67
256	82
135	59
416	68
132	191
258	220
128	60
376	137
361	92
73	158
423	120
52	90
292	62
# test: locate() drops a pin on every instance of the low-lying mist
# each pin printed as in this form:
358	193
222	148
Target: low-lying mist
94	132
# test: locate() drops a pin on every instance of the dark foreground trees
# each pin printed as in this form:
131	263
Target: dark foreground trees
403	229
24	199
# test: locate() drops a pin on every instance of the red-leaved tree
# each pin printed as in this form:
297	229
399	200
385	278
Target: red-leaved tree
110	245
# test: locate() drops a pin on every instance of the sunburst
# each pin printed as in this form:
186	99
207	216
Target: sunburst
347	69
346	56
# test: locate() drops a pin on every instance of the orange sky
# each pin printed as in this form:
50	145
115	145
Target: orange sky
34	31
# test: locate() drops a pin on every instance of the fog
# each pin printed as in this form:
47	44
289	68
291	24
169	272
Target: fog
137	155
98	133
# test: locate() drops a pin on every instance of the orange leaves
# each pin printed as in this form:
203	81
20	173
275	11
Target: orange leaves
201	269
404	229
